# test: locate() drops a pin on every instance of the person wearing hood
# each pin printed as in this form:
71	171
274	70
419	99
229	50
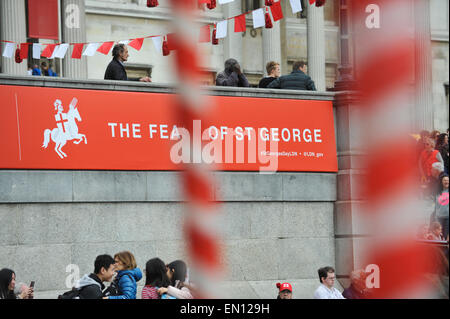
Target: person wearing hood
232	75
91	286
127	276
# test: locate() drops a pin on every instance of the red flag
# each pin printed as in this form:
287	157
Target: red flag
136	43
48	51
239	23
172	41
24	50
105	47
312	1
277	12
77	50
205	34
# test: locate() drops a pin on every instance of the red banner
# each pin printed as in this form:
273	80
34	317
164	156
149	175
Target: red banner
52	128
43	19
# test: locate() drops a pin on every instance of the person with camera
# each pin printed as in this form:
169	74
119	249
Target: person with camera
232	75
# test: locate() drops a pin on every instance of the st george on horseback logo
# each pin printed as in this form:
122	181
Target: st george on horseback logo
66	129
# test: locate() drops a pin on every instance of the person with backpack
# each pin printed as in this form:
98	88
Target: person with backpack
155	278
179	287
91	286
127	276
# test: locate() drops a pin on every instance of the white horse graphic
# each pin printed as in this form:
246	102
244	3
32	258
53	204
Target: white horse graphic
60	135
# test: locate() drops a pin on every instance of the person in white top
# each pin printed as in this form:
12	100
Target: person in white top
326	290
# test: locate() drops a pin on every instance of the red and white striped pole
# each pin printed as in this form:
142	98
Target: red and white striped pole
200	226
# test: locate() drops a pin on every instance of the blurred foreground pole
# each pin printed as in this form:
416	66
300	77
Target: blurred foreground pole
200	225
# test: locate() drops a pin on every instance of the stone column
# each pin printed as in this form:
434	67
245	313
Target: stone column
316	46
423	84
13	28
350	233
346	79
73	31
233	42
272	44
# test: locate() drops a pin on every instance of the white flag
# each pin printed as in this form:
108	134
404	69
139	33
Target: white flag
296	6
124	42
157	42
91	49
258	18
37	47
225	1
9	49
221	29
54	52
61	50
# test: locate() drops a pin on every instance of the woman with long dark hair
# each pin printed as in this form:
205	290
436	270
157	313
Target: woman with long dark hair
177	274
8	283
155	278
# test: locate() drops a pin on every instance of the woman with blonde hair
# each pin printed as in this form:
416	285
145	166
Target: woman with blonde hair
127	276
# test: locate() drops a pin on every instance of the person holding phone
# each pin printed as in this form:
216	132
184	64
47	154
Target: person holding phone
8	289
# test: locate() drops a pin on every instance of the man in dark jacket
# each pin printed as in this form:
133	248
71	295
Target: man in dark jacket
232	75
297	80
116	69
91	286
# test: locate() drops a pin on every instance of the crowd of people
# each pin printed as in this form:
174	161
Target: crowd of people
117	278
433	155
44	70
231	76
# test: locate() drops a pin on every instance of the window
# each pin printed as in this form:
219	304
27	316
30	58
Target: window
249	5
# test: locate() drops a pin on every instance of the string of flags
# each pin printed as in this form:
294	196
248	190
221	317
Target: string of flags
262	17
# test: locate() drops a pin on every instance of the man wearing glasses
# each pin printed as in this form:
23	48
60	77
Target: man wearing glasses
326	290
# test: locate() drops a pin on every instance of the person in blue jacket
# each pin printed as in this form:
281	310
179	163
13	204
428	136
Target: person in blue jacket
47	70
35	70
127	276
